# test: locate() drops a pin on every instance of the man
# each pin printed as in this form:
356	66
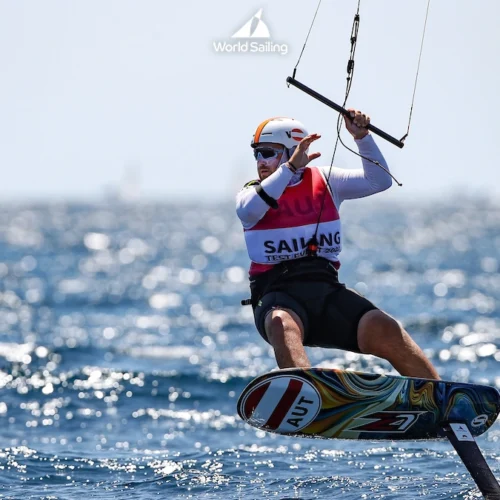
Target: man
296	296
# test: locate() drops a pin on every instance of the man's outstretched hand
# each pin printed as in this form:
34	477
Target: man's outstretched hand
300	158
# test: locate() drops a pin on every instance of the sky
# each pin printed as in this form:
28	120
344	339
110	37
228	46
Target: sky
96	94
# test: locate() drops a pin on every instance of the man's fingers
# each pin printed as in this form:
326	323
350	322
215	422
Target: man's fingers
362	120
300	158
311	138
357	118
306	141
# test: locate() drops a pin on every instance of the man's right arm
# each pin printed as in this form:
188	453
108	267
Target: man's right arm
250	207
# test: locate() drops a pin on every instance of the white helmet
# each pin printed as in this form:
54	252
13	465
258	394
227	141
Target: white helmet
286	131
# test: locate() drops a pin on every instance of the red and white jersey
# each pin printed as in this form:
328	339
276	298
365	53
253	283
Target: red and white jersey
283	234
273	236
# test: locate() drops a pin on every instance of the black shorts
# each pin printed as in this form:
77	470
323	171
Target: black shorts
329	311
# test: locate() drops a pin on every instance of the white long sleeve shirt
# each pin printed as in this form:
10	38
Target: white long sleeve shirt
345	184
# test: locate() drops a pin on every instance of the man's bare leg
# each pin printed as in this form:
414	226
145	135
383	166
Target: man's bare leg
382	336
378	334
285	332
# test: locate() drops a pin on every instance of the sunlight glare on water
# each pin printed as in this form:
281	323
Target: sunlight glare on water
124	348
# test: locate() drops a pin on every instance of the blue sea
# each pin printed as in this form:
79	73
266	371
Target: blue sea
124	348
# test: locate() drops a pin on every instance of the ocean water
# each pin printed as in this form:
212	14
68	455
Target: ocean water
123	349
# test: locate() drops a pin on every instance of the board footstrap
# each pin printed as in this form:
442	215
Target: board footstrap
465	445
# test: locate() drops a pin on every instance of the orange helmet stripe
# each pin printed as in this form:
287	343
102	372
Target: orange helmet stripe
256	137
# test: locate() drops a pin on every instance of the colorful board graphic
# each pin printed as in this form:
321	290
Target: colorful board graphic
330	403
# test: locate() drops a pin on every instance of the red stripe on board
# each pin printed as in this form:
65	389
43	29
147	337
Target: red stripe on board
286	401
254	399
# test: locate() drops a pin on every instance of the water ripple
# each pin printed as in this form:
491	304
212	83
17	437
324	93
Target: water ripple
123	350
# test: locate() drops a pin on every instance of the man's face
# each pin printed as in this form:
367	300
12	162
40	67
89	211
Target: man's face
269	157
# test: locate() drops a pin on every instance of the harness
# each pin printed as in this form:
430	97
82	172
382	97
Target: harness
306	269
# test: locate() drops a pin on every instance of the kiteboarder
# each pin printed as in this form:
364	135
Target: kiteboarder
291	222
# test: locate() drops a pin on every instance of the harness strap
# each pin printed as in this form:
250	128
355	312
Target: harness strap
305	267
268	199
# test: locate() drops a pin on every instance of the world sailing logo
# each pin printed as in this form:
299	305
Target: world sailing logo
254	28
253	37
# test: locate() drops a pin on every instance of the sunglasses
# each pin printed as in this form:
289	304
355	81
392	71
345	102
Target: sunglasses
266	153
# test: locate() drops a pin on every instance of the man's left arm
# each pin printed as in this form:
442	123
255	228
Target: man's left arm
372	178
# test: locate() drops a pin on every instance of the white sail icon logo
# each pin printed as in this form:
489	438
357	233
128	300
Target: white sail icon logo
254	28
252	38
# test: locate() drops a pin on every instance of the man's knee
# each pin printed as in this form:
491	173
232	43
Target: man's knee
283	324
380	335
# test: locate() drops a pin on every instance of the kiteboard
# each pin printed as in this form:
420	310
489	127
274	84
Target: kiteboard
326	403
329	403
